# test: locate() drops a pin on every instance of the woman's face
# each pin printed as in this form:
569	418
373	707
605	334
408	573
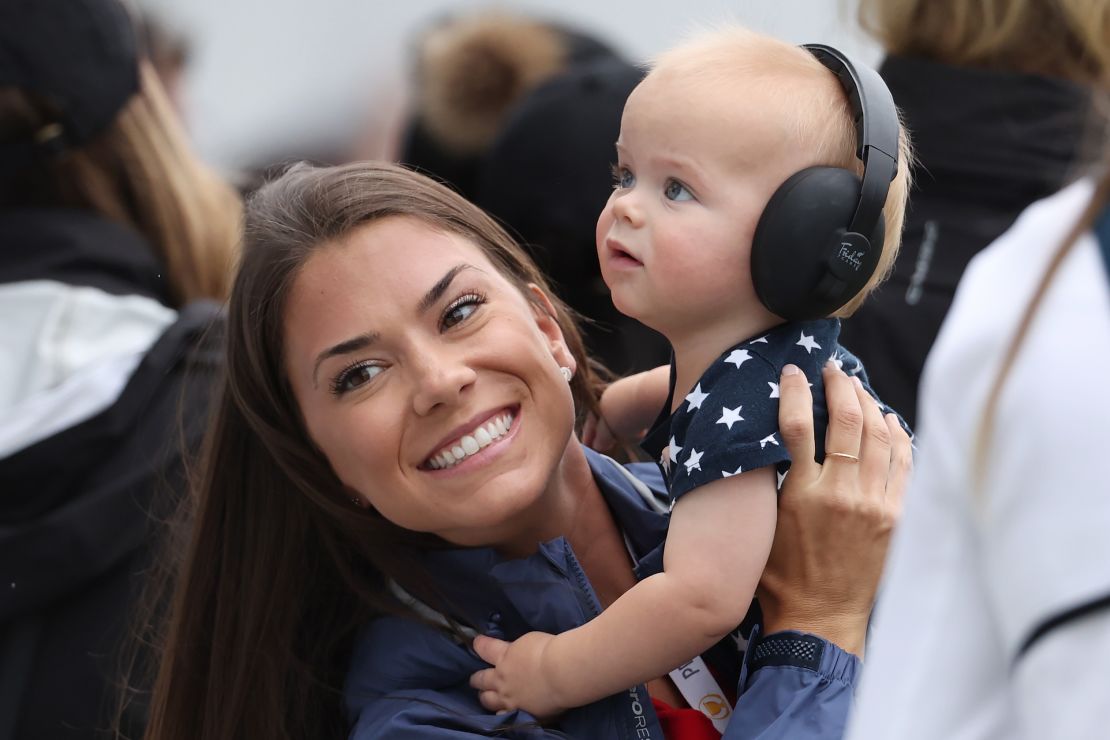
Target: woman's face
429	382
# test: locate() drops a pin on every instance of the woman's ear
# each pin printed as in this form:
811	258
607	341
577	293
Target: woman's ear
545	318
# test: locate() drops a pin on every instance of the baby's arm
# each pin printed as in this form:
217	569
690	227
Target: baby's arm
628	407
719	539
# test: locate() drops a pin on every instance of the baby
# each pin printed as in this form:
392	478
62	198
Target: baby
706	140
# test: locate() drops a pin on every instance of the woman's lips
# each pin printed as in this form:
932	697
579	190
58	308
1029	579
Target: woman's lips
471	446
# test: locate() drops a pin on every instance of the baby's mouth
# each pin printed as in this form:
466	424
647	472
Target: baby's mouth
471	443
620	255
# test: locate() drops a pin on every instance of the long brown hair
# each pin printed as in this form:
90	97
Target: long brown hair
140	172
280	568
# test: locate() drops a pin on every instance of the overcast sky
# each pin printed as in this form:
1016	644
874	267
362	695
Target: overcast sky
267	74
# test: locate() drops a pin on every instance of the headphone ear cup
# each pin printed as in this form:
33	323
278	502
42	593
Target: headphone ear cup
790	250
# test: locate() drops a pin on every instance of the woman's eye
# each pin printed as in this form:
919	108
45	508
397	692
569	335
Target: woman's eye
354	377
461	309
622	178
674	190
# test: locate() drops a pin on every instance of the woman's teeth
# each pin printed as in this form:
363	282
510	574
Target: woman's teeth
470	444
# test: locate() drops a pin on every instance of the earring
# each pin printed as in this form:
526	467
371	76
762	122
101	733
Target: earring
356	501
567	373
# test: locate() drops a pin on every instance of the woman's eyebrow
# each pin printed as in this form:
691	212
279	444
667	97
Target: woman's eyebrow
441	287
365	340
345	347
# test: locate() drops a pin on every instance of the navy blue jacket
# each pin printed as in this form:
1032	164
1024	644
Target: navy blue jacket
410	680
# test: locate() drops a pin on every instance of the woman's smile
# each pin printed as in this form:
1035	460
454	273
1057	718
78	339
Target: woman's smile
477	446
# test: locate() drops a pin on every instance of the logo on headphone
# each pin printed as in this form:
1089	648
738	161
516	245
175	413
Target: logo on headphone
850	256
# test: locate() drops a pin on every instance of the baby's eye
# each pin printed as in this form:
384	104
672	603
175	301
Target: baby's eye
461	309
622	178
354	377
674	190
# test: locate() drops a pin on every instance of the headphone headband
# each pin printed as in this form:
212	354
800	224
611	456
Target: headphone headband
876	122
820	237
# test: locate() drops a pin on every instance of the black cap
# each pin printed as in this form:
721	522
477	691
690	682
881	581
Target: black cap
80	55
549	170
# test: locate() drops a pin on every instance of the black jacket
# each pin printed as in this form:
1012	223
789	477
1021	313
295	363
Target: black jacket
987	144
75	507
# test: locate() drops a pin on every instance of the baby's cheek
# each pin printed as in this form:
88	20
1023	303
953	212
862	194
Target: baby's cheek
604	223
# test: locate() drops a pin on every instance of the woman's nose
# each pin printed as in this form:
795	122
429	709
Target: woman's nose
441	381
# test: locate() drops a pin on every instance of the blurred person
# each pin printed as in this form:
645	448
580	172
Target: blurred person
997	94
393	466
169	52
547	175
115	243
469	71
754	202
999	578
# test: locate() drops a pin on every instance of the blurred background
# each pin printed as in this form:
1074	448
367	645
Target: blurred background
269	79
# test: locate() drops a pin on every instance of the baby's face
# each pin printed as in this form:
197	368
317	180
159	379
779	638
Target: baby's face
695	168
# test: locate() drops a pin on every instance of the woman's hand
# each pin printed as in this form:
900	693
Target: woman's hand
835	519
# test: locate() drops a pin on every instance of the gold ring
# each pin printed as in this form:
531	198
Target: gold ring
845	455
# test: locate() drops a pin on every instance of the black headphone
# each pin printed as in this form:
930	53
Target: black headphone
820	236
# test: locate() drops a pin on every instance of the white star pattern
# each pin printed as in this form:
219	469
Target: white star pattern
665	461
762	340
695	398
769	439
673	449
694	461
808	342
738	357
730	416
781	477
726	474
774	389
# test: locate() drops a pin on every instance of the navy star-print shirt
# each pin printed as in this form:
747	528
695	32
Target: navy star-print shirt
728	423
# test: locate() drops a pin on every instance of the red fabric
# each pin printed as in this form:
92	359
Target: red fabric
684	724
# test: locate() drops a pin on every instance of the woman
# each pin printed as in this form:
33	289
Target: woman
116	243
393	468
1015	78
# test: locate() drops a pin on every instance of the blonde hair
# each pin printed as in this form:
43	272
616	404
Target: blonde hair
817	116
141	172
473	70
1056	38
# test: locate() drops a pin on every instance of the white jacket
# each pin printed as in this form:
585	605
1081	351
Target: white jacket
972	576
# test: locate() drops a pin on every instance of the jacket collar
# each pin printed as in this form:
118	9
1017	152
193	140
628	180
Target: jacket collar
995	134
79	248
547	590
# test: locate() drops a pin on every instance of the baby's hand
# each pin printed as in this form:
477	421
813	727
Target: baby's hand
628	407
597	435
517	679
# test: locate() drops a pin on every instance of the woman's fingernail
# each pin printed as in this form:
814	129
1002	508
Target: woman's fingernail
790	370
